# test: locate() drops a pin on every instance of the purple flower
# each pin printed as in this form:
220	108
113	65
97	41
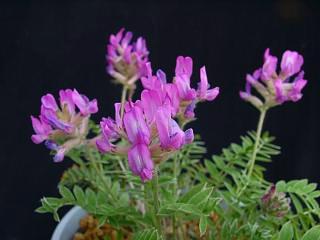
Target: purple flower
85	106
135	125
150	102
204	93
291	63
189	112
63	124
170	134
182	78
270	65
41	129
149	124
66	101
126	60
275	88
140	162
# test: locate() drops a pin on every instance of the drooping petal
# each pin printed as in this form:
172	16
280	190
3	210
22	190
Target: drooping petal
140	162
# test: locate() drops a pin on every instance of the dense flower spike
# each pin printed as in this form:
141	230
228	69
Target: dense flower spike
62	128
125	60
148	124
276	88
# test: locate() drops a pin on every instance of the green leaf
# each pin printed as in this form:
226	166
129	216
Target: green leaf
66	194
148	234
312	234
203	225
42	209
286	232
80	196
170	209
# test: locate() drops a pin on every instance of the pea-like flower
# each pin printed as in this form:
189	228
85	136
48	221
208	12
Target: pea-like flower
276	88
63	128
150	124
125	59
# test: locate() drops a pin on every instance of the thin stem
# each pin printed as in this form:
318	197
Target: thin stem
123	100
256	144
252	160
156	203
174	193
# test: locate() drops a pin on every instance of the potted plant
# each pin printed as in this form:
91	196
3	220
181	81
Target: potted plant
141	174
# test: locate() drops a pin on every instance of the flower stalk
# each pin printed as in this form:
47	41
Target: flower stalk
156	202
256	144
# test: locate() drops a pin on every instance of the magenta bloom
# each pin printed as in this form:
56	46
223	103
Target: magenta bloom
140	162
148	125
135	125
126	61
291	63
273	87
63	123
41	129
204	93
182	78
170	134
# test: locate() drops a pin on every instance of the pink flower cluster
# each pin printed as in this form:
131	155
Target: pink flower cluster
63	128
273	87
126	60
149	124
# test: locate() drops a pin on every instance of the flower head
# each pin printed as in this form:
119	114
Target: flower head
150	124
276	88
125	59
62	127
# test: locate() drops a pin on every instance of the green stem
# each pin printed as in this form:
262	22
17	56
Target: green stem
156	203
256	144
174	193
252	160
123	100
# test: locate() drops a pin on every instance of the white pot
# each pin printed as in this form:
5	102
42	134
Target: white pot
69	224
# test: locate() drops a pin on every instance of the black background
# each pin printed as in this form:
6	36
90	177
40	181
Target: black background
49	46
